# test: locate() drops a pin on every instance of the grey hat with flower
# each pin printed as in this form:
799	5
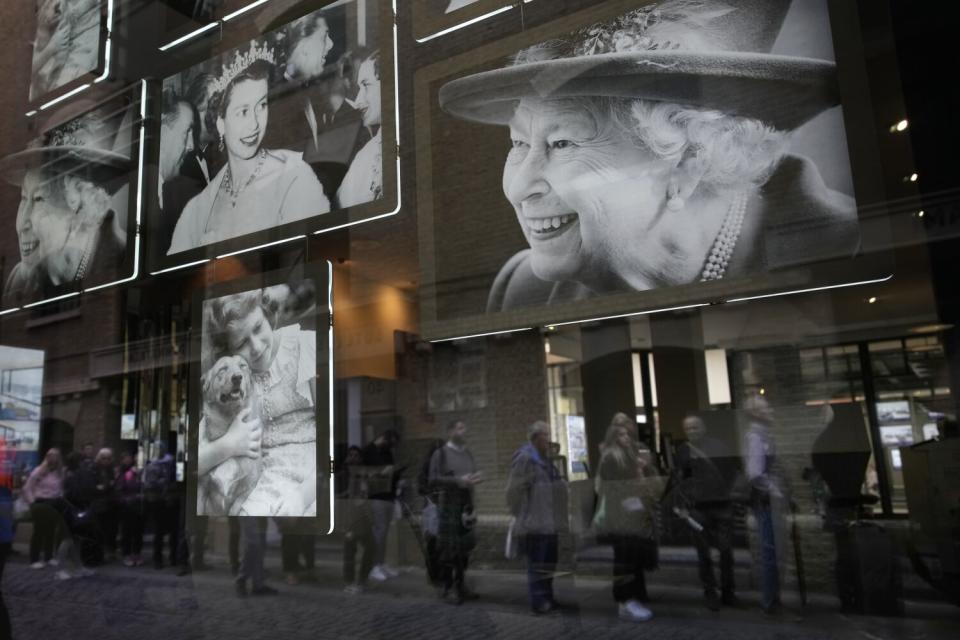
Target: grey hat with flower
703	53
97	143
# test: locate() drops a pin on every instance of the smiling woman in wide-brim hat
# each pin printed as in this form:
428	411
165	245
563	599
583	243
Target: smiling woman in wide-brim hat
650	150
74	185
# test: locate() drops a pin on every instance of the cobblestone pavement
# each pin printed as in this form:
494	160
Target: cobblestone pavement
143	604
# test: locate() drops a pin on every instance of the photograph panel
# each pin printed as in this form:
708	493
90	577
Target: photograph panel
262	397
68	43
282	135
74	226
633	148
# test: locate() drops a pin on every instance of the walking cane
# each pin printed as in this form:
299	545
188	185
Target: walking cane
798	555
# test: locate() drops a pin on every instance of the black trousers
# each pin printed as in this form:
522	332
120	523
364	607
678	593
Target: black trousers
165	515
717	522
293	546
46	517
629	560
131	528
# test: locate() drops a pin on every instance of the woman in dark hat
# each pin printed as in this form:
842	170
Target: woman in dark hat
651	150
71	221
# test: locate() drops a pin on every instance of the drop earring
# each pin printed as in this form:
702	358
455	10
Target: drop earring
674	201
221	143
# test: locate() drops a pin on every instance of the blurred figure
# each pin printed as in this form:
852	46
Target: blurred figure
254	532
161	505
354	513
177	150
203	162
768	495
840	456
104	506
44	492
429	518
382	482
296	543
130	501
625	516
6	532
80	544
364	179
453	474
537	498
706	470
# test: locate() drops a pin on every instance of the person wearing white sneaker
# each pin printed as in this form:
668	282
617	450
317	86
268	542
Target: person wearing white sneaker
378	574
624	517
389	571
39	564
62	575
633	611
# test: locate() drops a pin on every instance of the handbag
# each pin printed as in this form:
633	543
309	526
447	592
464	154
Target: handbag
21	510
430	519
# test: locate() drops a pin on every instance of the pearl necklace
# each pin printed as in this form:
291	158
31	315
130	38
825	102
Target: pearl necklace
716	265
228	178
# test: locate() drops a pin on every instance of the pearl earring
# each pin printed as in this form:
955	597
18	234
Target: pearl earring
675	203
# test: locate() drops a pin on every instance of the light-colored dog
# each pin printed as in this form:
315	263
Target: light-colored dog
227	391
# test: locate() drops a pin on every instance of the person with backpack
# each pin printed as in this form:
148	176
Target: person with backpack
537	499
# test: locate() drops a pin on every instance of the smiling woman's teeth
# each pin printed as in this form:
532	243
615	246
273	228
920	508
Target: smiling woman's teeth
549	224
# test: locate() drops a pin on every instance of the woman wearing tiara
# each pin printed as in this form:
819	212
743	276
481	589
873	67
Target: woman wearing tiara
257	188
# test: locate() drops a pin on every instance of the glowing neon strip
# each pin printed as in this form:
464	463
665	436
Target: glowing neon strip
812	289
106	53
178	267
141	163
243	10
262	246
40	302
190	36
6	311
68	94
628	315
463	25
331	443
482	335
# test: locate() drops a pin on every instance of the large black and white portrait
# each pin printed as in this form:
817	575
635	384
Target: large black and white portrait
72	227
654	146
67	44
258	433
287	129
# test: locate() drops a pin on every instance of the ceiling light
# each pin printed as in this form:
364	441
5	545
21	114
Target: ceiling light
901	126
872	299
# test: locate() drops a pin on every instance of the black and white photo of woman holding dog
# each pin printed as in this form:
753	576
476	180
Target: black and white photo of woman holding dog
257	435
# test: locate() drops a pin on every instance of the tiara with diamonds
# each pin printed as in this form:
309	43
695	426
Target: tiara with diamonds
240	63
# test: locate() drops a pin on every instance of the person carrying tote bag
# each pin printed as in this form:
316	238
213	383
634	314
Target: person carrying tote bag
626	519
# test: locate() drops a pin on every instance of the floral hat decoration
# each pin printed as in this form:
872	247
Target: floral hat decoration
704	53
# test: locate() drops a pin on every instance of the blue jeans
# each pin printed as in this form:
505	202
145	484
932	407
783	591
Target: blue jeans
769	572
541	551
382	518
